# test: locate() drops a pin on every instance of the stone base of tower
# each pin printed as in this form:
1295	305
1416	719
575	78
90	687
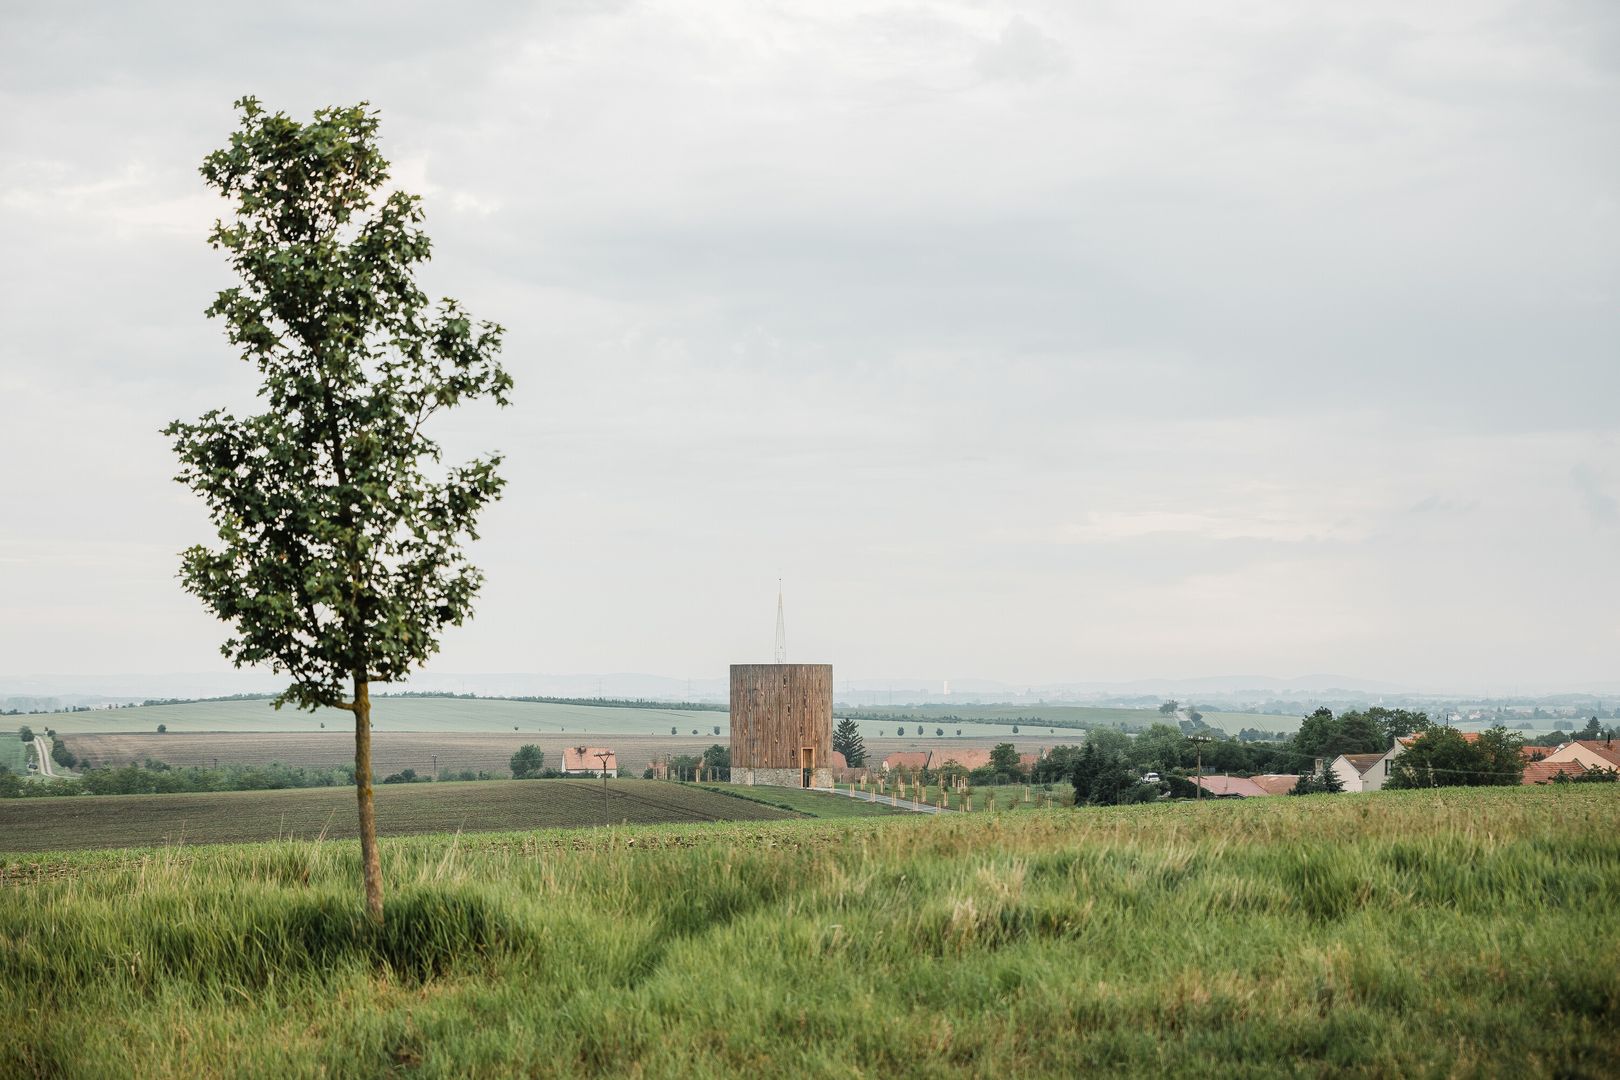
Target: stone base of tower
819	778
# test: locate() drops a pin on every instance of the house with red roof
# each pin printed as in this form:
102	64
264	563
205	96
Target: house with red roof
589	761
1593	753
1363	772
910	760
1229	787
1246	787
1547	772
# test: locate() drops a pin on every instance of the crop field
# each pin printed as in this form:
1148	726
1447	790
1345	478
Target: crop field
1435	933
1059	716
388	715
227	817
427	751
391	751
424	715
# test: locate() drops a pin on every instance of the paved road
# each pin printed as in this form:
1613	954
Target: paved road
889	800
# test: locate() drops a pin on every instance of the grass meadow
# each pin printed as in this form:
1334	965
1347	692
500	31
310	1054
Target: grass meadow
14	753
1450	933
810	803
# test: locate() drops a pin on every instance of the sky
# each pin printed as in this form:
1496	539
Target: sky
1028	342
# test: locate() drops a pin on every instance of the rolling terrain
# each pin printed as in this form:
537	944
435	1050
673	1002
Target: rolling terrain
425	751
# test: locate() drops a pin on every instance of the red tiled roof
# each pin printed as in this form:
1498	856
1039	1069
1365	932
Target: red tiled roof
1230	785
1603	748
1535	753
969	758
1543	772
584	758
1468	736
1275	783
1362	762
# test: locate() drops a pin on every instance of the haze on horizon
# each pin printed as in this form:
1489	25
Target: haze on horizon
1036	342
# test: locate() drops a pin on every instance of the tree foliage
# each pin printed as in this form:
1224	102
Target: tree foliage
1442	757
340	530
527	762
847	741
1324	781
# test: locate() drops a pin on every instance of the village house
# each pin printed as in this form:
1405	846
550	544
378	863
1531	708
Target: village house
1245	787
589	761
1547	772
910	760
1364	772
1592	753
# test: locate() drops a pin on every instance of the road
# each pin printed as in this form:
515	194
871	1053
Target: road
43	756
888	800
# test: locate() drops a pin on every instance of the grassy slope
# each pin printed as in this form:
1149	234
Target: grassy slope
14	753
115	821
810	803
1423	933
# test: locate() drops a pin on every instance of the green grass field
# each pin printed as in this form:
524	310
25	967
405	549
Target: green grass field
14	753
388	714
809	803
123	821
1449	933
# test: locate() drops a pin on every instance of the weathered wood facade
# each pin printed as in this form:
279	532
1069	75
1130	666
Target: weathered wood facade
781	723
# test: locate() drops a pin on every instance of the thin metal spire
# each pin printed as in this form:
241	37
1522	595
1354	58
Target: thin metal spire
781	627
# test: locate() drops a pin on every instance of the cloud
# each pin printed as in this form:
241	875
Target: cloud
1020	53
1600	505
966	320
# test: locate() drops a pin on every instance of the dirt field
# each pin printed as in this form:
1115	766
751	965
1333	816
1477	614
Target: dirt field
121	821
393	751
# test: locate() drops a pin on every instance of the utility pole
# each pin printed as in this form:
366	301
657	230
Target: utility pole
602	757
1200	740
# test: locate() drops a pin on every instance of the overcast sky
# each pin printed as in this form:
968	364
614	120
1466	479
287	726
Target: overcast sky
1026	342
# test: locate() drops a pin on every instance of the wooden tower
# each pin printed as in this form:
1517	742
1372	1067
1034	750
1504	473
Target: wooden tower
781	724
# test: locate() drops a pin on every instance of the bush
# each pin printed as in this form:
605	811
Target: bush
25	733
61	754
406	776
163	729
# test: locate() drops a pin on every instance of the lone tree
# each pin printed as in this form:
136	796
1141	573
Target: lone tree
527	762
847	741
340	531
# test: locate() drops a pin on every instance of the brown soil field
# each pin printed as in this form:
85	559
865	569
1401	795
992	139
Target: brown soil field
229	817
393	751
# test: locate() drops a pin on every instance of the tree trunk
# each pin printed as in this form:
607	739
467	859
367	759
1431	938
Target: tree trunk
370	860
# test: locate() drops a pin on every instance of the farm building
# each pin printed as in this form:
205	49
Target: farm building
781	724
589	761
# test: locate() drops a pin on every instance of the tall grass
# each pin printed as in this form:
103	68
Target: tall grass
1459	933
